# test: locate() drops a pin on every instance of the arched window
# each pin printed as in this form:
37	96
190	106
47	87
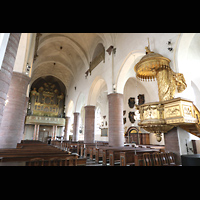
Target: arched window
3	44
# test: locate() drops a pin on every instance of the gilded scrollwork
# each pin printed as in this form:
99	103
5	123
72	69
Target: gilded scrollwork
155	66
46	101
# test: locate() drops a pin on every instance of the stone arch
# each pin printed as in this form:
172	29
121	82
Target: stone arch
48	68
188	61
80	102
70	109
127	69
133	87
196	94
95	88
98	49
182	52
22	52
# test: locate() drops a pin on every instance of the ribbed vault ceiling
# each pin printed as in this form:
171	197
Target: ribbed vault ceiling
63	55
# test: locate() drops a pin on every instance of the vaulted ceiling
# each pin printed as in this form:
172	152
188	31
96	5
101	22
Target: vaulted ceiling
63	55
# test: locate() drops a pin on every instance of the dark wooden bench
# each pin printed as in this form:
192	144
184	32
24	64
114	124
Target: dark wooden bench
27	151
133	158
89	149
159	159
102	152
127	156
55	161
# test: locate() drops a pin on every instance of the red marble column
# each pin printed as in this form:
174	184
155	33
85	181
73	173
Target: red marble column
12	125
89	124
115	121
66	135
172	143
7	69
76	126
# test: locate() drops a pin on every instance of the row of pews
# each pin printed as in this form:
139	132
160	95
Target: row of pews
128	155
36	153
68	153
123	156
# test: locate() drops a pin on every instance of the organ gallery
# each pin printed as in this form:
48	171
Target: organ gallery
45	113
46	101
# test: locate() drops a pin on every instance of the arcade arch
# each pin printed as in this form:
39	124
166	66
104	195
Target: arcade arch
98	97
95	89
188	59
127	69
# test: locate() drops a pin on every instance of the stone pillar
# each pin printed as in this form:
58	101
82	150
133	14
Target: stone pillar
37	132
76	126
89	124
56	131
7	69
53	133
172	144
12	125
66	134
115	120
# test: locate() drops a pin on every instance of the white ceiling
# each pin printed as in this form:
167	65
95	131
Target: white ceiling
64	54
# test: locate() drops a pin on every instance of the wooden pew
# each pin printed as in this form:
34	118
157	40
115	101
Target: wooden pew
68	145
52	162
99	152
74	147
132	158
27	157
103	152
56	161
127	158
114	154
87	148
159	159
29	150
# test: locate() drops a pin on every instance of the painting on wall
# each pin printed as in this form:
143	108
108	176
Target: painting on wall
104	132
141	99
131	117
131	102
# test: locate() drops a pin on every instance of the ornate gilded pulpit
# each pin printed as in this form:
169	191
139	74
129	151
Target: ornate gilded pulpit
160	117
